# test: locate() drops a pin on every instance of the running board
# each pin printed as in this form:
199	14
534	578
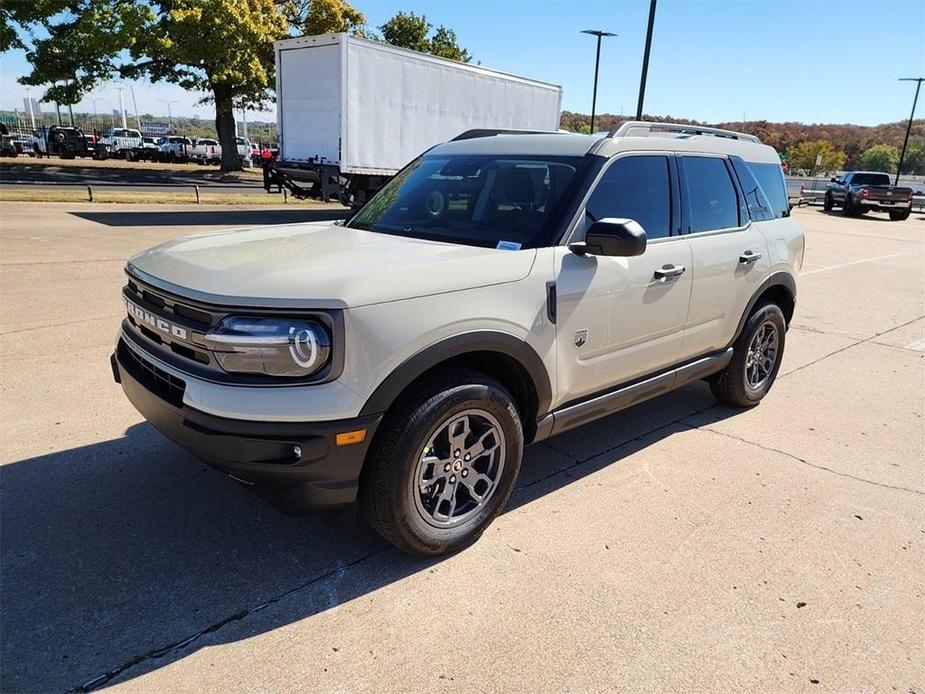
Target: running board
572	416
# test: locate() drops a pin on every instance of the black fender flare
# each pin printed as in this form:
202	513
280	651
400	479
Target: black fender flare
777	279
477	341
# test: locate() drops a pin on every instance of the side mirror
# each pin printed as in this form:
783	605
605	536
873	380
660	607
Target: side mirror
834	179
614	237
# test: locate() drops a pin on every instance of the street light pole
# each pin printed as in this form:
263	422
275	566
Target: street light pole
597	63
902	154
169	112
645	60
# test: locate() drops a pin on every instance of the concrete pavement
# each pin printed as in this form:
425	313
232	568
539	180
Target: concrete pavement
677	545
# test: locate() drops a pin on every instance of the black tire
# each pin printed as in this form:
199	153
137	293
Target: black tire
900	215
732	385
828	203
391	497
848	208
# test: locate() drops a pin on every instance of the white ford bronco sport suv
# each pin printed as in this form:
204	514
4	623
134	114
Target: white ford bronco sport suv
500	289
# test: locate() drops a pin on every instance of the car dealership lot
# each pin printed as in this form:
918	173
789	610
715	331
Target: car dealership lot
780	548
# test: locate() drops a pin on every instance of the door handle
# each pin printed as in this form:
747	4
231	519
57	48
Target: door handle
749	257
668	272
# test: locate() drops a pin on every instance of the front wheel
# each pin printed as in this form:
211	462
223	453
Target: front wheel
900	215
444	465
756	359
828	203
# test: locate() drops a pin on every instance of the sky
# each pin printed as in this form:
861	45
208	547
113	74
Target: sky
779	60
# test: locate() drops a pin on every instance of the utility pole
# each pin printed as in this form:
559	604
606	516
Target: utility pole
645	60
122	106
902	155
244	120
597	63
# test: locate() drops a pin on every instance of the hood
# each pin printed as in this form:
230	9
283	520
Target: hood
320	265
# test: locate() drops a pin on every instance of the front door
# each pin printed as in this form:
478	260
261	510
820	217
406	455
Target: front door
622	318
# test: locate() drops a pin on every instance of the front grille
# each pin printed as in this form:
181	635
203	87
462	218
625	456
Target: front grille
164	385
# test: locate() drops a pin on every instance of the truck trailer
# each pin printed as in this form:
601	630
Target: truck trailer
352	112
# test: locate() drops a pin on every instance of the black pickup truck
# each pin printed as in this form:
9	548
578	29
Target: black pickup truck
857	192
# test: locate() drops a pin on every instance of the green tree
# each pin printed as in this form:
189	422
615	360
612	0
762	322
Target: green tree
914	163
221	47
804	156
880	158
409	30
314	17
22	16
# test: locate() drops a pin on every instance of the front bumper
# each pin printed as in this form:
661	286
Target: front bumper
262	455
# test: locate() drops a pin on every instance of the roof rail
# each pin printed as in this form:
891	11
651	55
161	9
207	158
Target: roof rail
491	132
644	128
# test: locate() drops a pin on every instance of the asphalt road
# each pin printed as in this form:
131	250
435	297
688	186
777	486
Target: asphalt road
680	545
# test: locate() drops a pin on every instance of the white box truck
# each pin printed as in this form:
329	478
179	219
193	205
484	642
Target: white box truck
352	112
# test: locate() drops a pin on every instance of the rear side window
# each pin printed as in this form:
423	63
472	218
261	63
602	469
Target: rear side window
711	196
635	188
759	209
771	179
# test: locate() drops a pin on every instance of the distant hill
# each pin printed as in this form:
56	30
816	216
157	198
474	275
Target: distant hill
852	139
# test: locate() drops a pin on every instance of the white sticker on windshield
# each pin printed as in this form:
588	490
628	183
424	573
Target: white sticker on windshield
508	246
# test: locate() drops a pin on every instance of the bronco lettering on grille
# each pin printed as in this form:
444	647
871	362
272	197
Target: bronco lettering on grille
155	322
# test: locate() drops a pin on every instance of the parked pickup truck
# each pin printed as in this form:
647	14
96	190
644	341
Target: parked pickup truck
206	151
175	148
857	192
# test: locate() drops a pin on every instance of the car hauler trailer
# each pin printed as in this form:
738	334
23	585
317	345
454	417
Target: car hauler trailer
352	112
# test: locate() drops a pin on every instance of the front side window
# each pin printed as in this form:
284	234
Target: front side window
477	200
635	188
711	196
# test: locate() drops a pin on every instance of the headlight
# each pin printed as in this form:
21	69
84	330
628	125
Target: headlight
271	346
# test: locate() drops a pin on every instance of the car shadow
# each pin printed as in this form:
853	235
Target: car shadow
53	173
124	556
871	216
242	217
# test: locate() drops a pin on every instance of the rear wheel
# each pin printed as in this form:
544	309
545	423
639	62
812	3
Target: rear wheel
848	208
900	215
444	465
756	359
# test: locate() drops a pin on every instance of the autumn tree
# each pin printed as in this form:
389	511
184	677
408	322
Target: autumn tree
880	158
221	47
409	30
805	154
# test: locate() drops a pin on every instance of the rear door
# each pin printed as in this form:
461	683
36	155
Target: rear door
730	255
622	318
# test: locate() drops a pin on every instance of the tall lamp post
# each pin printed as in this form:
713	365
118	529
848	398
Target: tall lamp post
645	60
597	63
169	113
902	154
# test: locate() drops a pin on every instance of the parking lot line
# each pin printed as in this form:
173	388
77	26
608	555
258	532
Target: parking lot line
827	268
917	345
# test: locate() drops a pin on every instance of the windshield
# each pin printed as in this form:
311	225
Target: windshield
485	200
870	179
